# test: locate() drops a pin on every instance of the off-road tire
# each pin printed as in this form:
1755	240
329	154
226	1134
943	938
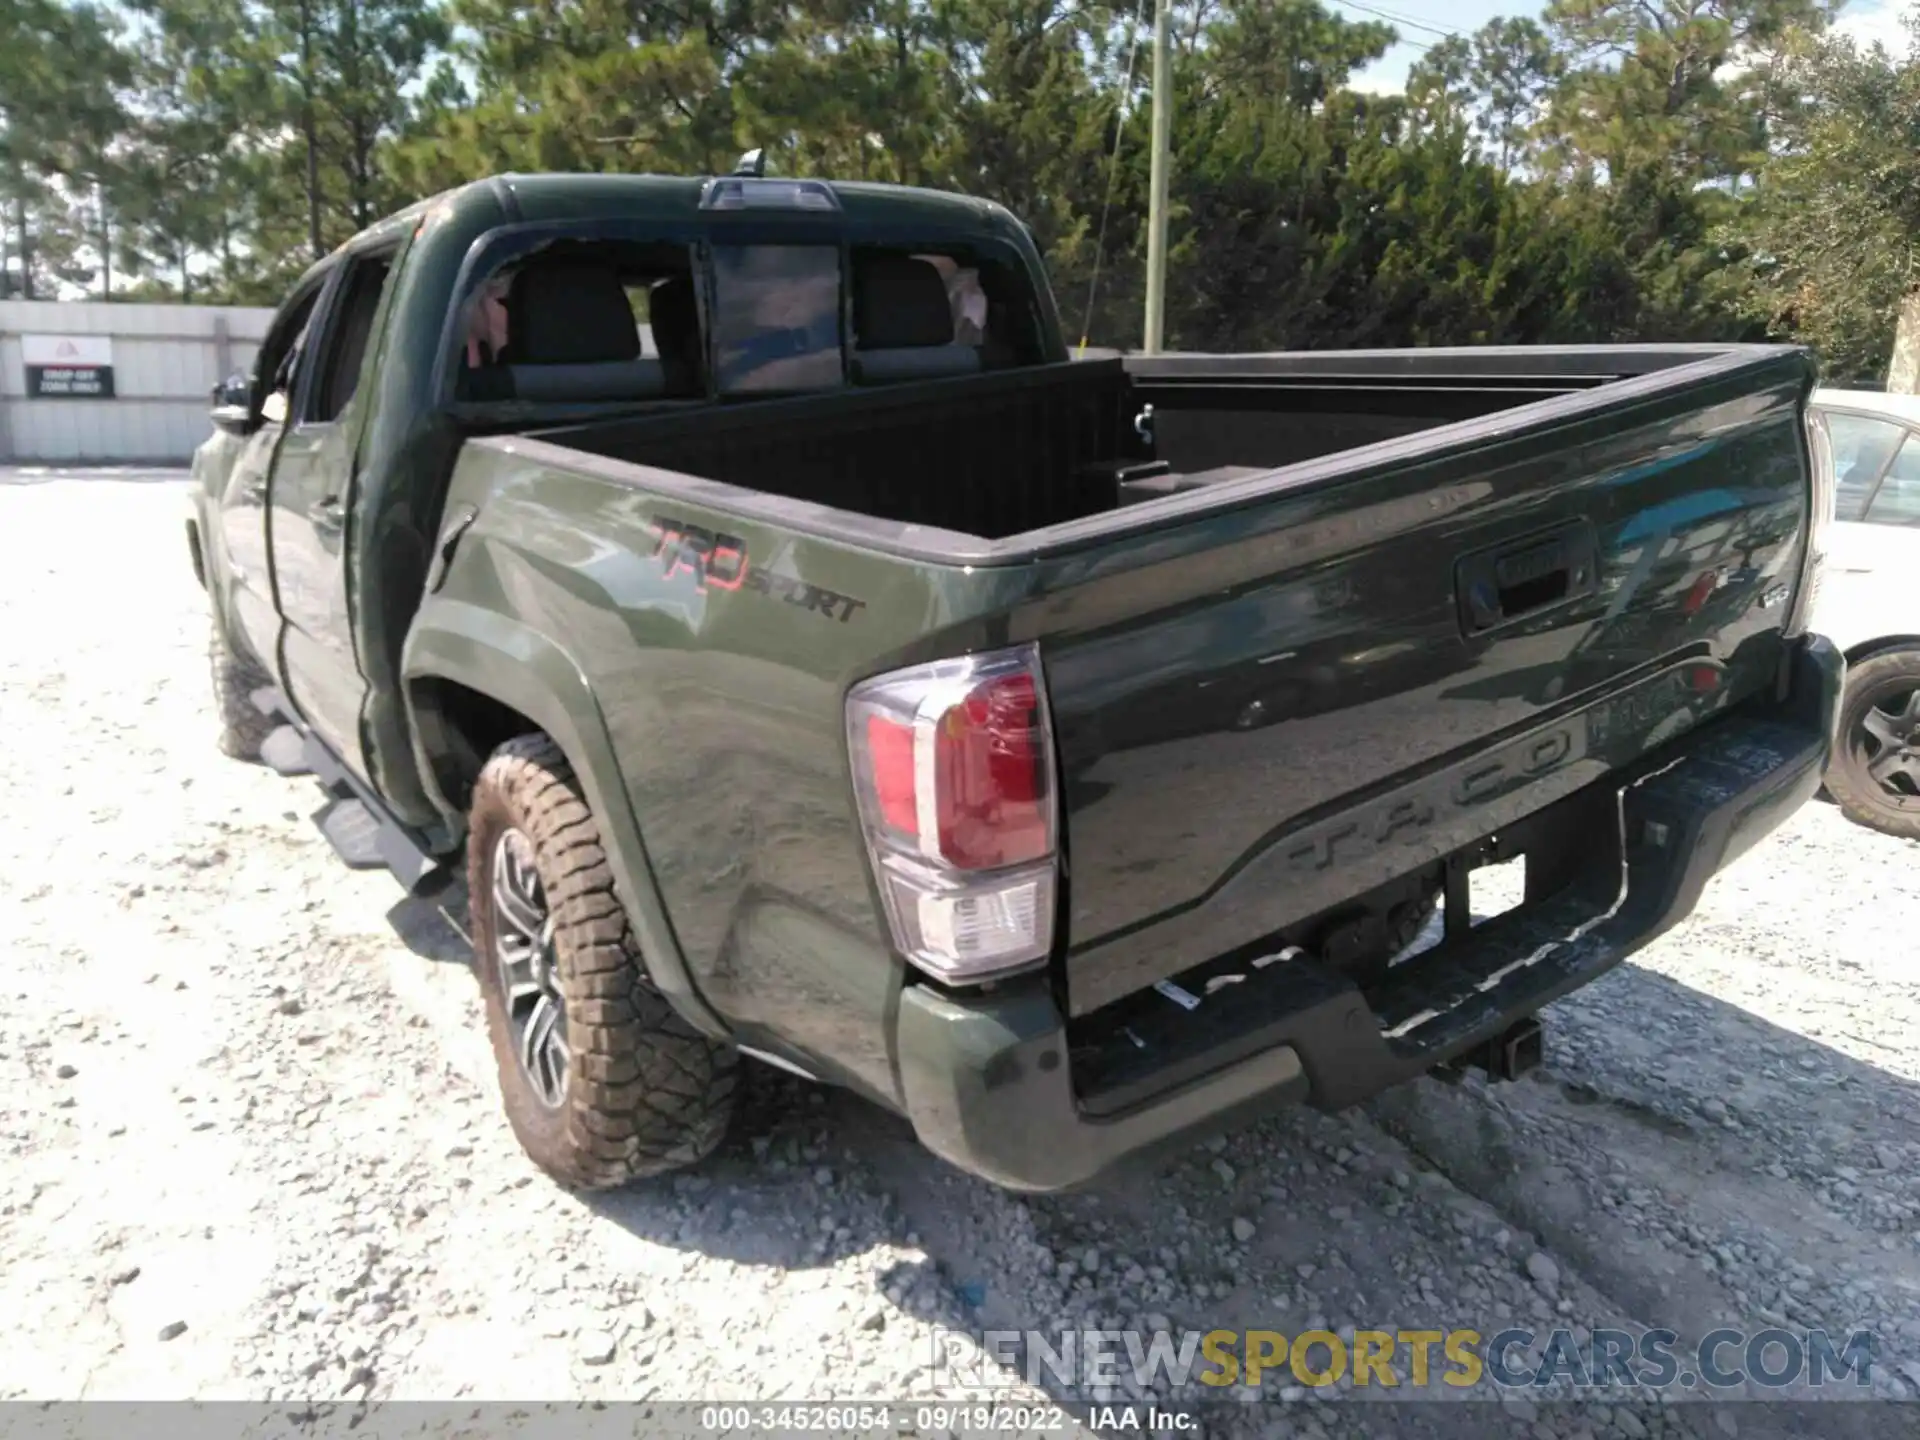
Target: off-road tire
235	677
644	1092
1859	796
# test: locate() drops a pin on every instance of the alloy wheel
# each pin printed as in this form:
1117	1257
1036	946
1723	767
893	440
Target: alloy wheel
523	956
1886	743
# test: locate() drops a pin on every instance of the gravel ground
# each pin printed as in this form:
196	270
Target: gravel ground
252	1147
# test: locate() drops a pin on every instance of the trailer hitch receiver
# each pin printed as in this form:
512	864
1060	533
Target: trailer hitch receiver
1510	1054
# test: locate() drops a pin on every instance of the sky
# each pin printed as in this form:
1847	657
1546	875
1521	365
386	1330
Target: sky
1421	22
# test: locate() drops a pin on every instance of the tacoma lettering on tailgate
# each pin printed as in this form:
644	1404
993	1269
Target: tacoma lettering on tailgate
1405	815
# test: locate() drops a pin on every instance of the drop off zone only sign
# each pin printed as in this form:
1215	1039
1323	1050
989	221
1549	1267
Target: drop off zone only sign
68	367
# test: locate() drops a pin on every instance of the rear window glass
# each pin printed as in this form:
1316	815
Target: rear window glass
776	318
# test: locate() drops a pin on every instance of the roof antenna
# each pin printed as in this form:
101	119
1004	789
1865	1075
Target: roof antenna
753	163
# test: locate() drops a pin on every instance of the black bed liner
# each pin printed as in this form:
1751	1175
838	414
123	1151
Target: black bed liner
1012	466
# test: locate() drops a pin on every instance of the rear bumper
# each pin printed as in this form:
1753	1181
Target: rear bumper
986	1079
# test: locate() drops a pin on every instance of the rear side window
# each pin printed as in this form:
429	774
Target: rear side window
1897	501
1861	448
776	318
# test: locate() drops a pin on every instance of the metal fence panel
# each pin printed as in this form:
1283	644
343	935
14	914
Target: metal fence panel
166	358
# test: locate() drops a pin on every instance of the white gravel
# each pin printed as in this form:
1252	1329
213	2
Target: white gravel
251	1146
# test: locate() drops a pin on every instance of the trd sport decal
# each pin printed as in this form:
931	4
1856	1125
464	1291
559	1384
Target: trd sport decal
720	560
712	558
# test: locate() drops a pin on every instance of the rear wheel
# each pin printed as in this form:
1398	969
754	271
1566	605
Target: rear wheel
602	1080
1875	770
235	677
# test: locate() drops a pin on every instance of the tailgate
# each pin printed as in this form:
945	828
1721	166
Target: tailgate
1352	667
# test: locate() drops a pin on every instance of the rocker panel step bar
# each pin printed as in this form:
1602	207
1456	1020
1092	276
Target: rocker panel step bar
358	827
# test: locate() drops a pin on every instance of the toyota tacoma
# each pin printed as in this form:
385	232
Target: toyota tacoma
805	656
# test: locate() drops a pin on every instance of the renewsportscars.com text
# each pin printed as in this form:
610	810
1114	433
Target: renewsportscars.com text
1384	1359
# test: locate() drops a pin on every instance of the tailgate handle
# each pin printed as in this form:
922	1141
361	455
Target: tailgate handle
1526	577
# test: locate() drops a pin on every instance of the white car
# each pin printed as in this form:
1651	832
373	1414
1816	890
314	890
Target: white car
1869	604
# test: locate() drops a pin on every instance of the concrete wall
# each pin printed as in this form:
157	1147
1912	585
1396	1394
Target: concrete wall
166	358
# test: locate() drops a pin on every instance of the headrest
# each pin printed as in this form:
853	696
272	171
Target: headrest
900	303
571	312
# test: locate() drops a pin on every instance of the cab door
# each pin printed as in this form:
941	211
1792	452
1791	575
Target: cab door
253	610
309	507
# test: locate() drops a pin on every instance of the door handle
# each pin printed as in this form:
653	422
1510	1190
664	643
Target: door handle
1496	587
328	514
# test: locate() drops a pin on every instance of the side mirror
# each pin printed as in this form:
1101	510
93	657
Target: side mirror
234	390
273	409
233	419
232	409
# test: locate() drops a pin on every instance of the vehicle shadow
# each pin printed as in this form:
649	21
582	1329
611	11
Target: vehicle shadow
1661	1108
1634	1176
433	922
761	1198
1638	1150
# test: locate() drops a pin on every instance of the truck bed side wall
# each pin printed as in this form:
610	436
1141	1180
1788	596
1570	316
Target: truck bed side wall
990	455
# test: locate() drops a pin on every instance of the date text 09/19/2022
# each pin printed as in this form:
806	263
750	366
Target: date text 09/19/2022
917	1418
943	1417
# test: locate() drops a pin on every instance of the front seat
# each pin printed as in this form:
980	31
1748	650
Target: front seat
903	323
572	336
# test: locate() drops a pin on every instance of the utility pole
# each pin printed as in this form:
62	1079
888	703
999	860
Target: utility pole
1157	176
1903	371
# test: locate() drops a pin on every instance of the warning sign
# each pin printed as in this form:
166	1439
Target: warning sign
68	367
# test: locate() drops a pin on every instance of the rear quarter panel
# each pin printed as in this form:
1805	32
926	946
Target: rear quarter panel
719	681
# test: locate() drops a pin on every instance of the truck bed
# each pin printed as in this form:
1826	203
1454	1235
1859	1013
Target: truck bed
999	456
1368	610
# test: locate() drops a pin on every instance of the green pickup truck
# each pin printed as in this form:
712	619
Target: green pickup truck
812	660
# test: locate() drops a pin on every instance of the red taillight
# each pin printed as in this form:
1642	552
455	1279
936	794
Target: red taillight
989	792
890	743
980	755
953	763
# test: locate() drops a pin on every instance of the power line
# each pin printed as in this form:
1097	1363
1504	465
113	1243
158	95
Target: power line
1397	19
1404	19
1113	165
